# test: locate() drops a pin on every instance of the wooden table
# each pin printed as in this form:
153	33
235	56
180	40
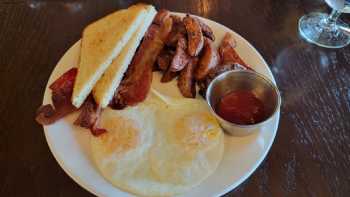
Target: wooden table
310	156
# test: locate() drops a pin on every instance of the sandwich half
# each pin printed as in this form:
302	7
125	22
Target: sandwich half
106	86
102	41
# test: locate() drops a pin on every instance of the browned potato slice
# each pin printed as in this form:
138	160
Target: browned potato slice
168	76
227	52
209	60
186	81
194	35
181	58
164	59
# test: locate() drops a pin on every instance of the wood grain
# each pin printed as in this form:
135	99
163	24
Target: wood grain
310	156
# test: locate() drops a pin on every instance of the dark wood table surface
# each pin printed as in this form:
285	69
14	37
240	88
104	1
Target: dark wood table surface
311	153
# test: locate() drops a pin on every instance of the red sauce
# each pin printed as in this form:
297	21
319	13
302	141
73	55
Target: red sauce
241	107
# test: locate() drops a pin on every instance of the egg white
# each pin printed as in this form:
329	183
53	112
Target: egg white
161	147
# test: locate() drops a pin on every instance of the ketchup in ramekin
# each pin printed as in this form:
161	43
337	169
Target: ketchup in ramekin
241	107
243	101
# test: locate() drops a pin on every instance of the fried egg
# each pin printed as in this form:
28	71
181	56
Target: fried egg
161	147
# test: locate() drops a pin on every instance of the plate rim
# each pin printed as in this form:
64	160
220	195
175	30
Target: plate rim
246	175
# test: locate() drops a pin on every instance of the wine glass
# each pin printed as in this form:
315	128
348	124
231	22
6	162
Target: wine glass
323	29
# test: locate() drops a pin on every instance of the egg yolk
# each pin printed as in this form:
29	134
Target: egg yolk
197	130
122	135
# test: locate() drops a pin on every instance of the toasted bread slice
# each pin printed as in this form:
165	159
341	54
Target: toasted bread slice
108	83
102	41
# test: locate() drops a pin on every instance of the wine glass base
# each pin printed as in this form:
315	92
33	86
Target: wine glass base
314	28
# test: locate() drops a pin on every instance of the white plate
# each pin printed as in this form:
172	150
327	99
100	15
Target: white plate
70	144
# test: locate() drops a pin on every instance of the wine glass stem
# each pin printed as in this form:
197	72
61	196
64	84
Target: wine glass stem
333	17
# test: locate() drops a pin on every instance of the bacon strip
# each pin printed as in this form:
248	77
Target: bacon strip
65	80
46	115
62	90
89	117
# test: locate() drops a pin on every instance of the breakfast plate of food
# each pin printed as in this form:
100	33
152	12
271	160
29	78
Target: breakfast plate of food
126	110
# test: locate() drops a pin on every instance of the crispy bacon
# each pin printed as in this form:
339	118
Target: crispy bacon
89	117
209	60
186	81
62	90
137	80
97	131
46	115
181	58
227	52
194	35
65	81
